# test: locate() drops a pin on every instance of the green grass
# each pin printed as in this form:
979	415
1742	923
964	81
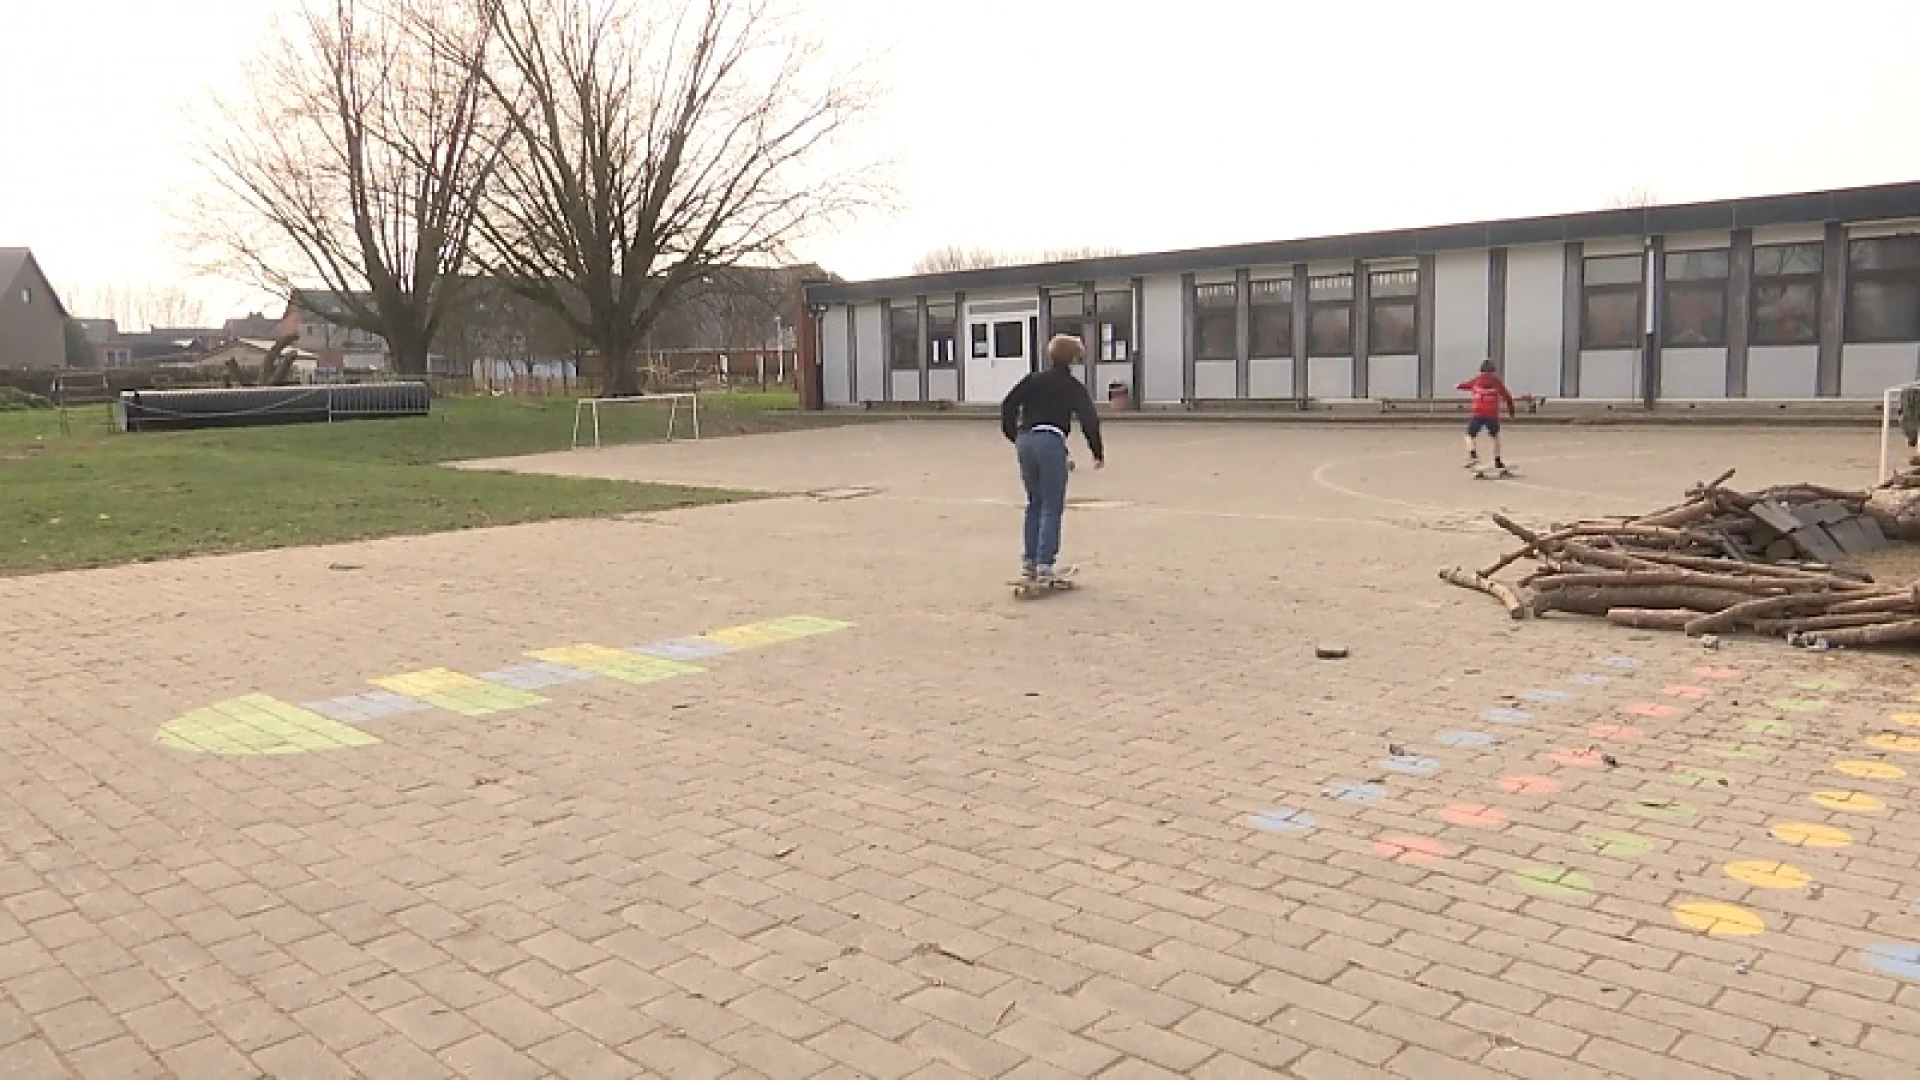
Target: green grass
88	496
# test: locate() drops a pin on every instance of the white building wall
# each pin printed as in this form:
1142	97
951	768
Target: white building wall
1536	280
1330	378
1780	372
1164	334
1866	371
906	385
1610	374
869	329
1459	318
1692	374
1214	380
1396	376
1270	378
836	357
943	384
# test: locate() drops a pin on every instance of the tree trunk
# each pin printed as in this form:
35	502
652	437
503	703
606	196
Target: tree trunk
622	375
1883	634
1584	600
1467	579
1651	618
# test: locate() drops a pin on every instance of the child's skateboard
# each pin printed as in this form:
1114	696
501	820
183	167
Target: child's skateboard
1492	472
1062	579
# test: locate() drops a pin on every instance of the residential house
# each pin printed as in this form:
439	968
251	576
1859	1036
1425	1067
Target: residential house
33	321
255	326
320	320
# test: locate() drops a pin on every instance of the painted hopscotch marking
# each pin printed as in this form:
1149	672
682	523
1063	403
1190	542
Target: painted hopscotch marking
627	667
462	695
1719	920
261	724
1808	835
258	724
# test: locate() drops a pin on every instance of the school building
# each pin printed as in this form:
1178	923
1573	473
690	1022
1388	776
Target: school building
1789	297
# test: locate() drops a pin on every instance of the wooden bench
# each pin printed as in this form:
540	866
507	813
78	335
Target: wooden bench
1529	403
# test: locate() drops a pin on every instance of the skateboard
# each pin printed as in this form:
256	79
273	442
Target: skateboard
1024	588
1490	472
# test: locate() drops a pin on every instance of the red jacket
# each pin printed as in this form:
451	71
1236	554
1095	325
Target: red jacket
1488	393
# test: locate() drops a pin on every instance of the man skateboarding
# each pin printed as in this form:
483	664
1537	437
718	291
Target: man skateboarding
1037	416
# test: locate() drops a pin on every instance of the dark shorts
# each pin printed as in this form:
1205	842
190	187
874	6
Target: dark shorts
1488	424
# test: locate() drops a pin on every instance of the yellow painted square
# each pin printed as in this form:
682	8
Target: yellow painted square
630	667
750	636
463	695
806	625
258	724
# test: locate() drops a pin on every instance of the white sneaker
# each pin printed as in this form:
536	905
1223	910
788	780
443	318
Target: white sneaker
1043	573
1027	570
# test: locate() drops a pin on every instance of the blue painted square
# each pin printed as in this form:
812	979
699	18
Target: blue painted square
1283	821
1465	739
372	705
1411	766
1621	662
1589	679
1507	716
1546	697
682	649
1900	959
1353	792
537	675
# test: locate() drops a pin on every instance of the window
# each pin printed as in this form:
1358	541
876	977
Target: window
1393	312
1216	315
942	349
1067	311
1330	315
1610	313
977	339
1695	315
26	295
1883	290
1114	310
903	336
1272	318
1009	340
1786	294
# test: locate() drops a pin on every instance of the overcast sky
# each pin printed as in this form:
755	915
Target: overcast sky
1143	125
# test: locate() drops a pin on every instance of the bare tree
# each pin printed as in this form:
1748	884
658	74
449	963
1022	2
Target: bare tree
354	163
145	306
654	146
1633	198
955	257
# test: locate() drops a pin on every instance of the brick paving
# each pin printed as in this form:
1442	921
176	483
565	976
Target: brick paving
1130	831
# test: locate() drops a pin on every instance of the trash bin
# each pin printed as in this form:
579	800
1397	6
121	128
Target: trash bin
1117	395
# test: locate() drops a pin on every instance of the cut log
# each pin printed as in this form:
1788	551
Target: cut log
1820	622
1651	619
1643	578
1732	618
1883	634
1583	600
1686	513
1892	601
1467	579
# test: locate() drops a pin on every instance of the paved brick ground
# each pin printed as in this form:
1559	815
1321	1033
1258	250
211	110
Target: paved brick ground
1131	831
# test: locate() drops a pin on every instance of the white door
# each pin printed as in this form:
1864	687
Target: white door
999	354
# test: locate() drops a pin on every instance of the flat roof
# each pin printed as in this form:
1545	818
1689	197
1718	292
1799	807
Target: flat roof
1879	202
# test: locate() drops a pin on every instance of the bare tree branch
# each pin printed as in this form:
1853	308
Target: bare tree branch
1633	198
147	306
955	257
352	166
654	145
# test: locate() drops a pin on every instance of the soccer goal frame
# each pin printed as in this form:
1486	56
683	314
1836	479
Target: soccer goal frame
1889	411
591	407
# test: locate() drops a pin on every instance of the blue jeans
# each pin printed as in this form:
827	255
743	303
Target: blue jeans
1043	469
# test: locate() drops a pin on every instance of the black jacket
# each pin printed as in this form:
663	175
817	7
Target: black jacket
1052	397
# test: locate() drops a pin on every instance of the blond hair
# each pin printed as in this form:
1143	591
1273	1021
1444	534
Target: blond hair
1065	349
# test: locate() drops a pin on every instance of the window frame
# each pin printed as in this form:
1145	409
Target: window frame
1281	308
1907	276
1686	285
1123	336
1376	304
1589	291
1343	305
1215	303
908	335
1756	339
936	338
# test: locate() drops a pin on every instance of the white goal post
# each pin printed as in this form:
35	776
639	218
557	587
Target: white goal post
591	407
1889	412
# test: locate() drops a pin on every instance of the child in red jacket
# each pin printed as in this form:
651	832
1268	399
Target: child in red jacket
1488	395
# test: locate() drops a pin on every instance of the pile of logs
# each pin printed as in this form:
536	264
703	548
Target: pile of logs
1693	567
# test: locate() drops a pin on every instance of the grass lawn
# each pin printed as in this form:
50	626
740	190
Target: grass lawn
90	496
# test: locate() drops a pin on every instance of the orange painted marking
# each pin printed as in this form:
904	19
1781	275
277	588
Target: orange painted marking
1652	711
1412	850
1616	732
1474	816
1529	785
1576	759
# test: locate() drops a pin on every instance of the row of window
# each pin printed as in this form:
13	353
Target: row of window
1882	305
1106	331
1882	296
1393	316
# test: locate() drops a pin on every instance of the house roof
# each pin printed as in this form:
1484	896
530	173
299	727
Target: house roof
1881	202
15	260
